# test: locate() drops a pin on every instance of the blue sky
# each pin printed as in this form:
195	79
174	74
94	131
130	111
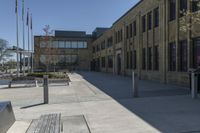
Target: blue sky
84	15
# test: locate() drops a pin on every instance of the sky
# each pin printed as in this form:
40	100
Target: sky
78	15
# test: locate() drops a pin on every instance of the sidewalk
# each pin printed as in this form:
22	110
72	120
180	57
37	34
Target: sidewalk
104	103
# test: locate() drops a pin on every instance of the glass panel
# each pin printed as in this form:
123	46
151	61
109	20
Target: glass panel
74	44
68	44
80	45
55	44
61	44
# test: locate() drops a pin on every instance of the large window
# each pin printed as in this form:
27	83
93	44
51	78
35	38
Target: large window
196	52
156	58
195	5
127	60
103	62
103	45
55	44
110	61
149	20
156	17
144	23
172	57
68	44
134	59
183	56
131	59
183	7
134	28
61	44
74	44
131	30
127	32
143	58
110	42
172	10
150	58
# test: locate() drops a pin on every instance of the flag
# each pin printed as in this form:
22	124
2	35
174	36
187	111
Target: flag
16	6
27	19
31	22
22	9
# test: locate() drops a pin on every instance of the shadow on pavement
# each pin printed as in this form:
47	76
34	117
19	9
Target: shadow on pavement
30	106
168	108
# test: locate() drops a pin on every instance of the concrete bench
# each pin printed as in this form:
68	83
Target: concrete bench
50	123
18	82
7	117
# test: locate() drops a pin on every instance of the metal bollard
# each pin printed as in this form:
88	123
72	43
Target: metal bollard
46	89
194	85
135	84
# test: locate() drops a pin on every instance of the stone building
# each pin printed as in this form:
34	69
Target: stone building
154	38
151	40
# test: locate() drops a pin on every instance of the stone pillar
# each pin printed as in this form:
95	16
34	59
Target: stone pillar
46	89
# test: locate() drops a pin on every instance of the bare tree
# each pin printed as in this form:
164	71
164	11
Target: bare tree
4	52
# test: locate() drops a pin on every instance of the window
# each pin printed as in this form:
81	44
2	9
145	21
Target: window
172	57
74	44
156	58
103	62
172	10
55	44
42	45
144	23
196	52
98	48
127	32
110	41
93	49
183	7
149	58
134	28
110	61
68	44
61	44
85	45
131	59
156	17
127	60
131	30
134	59
195	5
103	45
183	56
149	20
143	58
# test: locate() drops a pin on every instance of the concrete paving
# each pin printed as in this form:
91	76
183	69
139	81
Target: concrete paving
103	103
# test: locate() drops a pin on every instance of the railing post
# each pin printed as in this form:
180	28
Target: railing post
194	85
135	84
46	89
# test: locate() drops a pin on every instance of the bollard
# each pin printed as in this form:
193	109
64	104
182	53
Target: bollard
46	89
194	85
135	84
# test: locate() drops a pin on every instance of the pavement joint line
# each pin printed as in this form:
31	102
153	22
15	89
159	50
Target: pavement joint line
86	123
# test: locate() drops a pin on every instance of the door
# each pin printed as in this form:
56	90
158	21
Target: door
118	64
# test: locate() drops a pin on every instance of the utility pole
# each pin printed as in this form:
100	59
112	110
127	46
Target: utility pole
23	38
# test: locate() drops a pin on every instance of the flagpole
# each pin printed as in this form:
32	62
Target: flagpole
23	11
17	33
28	40
32	42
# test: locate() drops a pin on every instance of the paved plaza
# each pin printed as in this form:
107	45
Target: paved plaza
104	103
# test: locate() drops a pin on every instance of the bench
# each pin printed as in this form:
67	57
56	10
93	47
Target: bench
50	123
23	82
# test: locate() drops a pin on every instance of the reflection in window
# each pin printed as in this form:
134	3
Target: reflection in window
74	44
61	44
68	44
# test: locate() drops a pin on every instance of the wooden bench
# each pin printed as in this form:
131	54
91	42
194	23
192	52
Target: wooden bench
50	123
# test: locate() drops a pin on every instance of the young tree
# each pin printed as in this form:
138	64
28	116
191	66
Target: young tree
4	52
49	58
